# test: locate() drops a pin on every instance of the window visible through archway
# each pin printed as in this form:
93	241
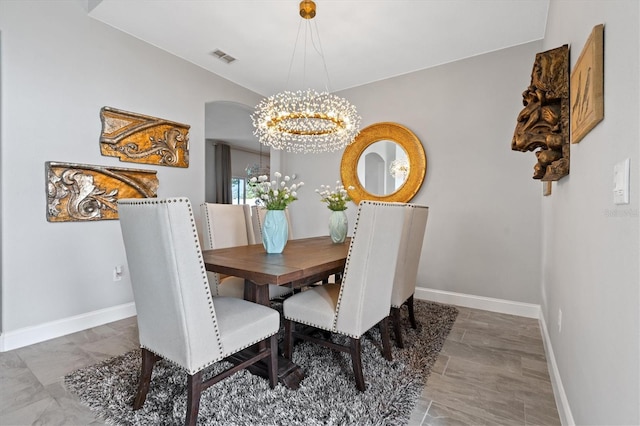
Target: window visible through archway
241	193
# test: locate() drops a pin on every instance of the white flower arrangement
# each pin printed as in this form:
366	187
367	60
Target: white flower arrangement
337	198
274	195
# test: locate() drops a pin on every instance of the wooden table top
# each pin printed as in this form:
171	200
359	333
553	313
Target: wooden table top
300	260
303	261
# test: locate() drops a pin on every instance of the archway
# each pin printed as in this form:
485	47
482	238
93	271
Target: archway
230	123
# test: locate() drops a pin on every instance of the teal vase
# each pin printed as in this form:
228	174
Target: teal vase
338	226
275	231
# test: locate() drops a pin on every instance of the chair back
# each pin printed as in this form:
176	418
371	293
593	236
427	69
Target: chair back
226	225
413	231
176	318
365	293
257	218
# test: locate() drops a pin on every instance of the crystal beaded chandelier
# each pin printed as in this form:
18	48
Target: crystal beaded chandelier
257	169
399	168
306	121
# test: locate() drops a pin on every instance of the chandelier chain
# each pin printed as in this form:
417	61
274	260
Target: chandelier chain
305	120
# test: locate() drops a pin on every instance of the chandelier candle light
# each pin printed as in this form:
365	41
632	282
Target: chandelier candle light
306	121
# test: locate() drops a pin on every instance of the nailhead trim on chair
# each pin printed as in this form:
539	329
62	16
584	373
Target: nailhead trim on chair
208	219
346	268
346	265
220	358
205	280
216	276
259	221
413	206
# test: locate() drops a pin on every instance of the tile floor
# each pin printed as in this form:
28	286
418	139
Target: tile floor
491	371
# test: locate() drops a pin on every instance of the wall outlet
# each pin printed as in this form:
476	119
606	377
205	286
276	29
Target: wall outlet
117	273
559	320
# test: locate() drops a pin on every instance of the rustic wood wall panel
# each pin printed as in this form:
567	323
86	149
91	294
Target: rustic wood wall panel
587	86
138	138
543	124
82	192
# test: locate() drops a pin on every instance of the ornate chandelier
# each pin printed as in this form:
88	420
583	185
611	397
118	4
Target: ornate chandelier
257	169
305	120
399	168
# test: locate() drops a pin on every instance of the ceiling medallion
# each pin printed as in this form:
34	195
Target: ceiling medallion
306	121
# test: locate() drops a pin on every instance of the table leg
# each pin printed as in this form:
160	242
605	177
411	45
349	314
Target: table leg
256	293
289	374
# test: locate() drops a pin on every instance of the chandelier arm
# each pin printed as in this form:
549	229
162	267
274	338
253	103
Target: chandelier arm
320	51
307	31
293	55
306	121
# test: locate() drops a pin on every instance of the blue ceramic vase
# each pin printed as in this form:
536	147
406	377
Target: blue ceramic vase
275	231
338	226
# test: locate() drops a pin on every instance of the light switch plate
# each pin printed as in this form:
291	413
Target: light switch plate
621	182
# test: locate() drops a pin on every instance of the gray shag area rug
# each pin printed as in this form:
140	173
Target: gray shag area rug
326	396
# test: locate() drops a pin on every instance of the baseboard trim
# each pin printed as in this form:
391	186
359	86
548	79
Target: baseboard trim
39	333
562	403
527	310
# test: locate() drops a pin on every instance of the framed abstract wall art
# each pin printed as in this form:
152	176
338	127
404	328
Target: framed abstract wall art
587	86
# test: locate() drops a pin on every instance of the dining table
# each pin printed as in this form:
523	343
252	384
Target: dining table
303	262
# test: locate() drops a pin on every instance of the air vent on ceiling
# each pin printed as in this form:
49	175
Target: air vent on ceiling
223	56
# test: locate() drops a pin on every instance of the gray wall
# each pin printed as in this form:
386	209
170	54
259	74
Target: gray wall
591	246
59	67
483	234
1	209
490	231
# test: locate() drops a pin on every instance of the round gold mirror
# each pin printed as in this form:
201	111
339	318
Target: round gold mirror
386	162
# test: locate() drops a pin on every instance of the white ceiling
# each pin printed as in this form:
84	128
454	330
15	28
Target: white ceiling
362	40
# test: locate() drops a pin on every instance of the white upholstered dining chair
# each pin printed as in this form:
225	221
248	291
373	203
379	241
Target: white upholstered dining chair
364	297
230	225
404	284
178	318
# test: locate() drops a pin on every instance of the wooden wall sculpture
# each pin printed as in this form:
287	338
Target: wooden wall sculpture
587	86
138	138
82	192
543	124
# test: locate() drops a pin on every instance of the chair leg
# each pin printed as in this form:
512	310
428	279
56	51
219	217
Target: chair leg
397	328
148	361
194	390
272	362
412	316
288	338
386	341
356	361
